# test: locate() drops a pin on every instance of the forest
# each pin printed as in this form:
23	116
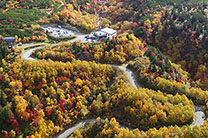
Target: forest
59	85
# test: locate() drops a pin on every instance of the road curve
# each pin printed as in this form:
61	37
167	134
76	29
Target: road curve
131	76
199	114
67	132
27	55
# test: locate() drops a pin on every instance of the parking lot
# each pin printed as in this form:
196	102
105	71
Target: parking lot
58	31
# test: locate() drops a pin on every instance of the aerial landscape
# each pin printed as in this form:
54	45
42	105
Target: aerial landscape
103	68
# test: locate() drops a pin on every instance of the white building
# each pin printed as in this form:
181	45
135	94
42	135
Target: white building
105	33
110	32
10	41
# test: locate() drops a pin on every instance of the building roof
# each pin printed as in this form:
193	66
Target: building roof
108	30
100	33
8	38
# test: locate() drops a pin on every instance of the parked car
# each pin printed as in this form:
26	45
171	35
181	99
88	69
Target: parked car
87	37
20	44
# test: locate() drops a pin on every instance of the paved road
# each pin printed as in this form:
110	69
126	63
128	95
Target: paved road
199	114
80	37
26	55
31	44
131	76
67	132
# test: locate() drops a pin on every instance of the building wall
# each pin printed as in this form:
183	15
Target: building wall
111	36
99	33
10	43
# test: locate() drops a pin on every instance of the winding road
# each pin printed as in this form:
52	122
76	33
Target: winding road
199	114
68	131
131	76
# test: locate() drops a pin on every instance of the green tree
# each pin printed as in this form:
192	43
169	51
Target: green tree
3	52
105	22
2	98
140	32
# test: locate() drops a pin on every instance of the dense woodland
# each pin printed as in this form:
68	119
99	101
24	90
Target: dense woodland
163	43
179	31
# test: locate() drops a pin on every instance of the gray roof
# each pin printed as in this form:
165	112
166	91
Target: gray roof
108	30
8	38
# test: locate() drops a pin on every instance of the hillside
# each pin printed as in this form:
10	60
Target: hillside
149	79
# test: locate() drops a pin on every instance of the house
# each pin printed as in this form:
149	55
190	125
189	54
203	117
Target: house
98	34
105	33
102	1
10	41
109	32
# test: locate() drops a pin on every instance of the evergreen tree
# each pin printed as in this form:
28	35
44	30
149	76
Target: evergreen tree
3	50
2	98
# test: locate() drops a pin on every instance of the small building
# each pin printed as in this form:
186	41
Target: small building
105	33
109	32
98	33
10	41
